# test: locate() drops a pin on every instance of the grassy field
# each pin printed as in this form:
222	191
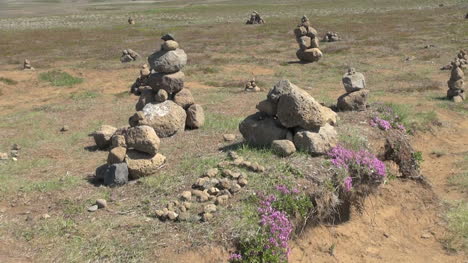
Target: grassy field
80	82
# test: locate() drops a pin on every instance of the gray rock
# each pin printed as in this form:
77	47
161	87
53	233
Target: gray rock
184	98
267	107
103	136
126	58
93	208
161	96
172	83
195	116
147	95
100	172
143	138
316	142
166	118
168	61
283	147
281	88
353	81
261	130
354	101
101	203
116	174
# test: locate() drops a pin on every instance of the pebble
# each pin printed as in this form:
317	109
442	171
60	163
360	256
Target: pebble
93	208
209	208
186	195
16	147
212	172
229	137
45	216
14	159
64	128
3	156
242	182
187	205
101	203
172	215
426	236
14	153
207	217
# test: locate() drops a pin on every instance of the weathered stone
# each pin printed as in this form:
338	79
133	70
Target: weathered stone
267	107
207	217
195	116
209	208
353	81
213	172
283	147
170	45
186	195
200	195
93	208
118	141
147	96
354	101
116	155
99	173
101	203
168	61
143	138
309	55
299	108
261	130
229	137
316	142
161	96
142	164
116	174
184	98
64	128
103	136
172	82
281	88
243	182
166	118
304	42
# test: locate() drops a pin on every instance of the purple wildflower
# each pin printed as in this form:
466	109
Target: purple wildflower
283	189
234	257
348	183
381	123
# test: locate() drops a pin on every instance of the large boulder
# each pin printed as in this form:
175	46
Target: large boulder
116	174
309	55
102	137
281	88
172	83
354	101
166	118
184	98
267	107
299	109
142	138
316	142
260	130
143	164
195	116
168	61
147	95
353	81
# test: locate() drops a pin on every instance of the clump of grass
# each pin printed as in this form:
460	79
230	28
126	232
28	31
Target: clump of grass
221	123
8	81
84	95
351	139
457	217
59	78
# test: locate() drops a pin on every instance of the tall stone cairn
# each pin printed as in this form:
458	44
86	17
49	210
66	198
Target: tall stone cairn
307	38
456	91
355	98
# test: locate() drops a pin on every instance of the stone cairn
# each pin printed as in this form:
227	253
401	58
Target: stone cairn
331	37
456	91
355	98
164	108
27	65
290	119
255	18
128	55
131	21
462	56
251	86
306	37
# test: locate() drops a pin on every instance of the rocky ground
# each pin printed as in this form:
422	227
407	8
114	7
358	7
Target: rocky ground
78	84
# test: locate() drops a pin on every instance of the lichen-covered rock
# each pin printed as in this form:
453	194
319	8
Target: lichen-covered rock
102	137
143	164
260	130
318	141
195	116
166	118
168	61
354	101
184	98
172	82
143	138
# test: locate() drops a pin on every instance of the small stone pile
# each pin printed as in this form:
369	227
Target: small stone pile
456	91
331	37
251	86
462	56
27	65
131	21
14	153
291	118
255	18
164	104
355	98
307	38
128	55
214	188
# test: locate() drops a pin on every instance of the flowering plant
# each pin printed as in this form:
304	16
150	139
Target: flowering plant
356	166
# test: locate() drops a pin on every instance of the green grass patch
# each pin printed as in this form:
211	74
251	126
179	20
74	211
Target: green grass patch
457	217
221	123
89	94
59	78
8	81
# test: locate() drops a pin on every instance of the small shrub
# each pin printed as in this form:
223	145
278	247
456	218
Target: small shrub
59	78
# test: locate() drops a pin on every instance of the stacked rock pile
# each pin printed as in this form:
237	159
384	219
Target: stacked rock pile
456	91
331	37
291	118
355	98
307	38
131	21
27	65
14	153
462	57
214	188
255	18
251	86
164	104
128	55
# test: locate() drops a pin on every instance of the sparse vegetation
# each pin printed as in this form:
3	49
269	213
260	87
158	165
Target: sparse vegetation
8	81
60	78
